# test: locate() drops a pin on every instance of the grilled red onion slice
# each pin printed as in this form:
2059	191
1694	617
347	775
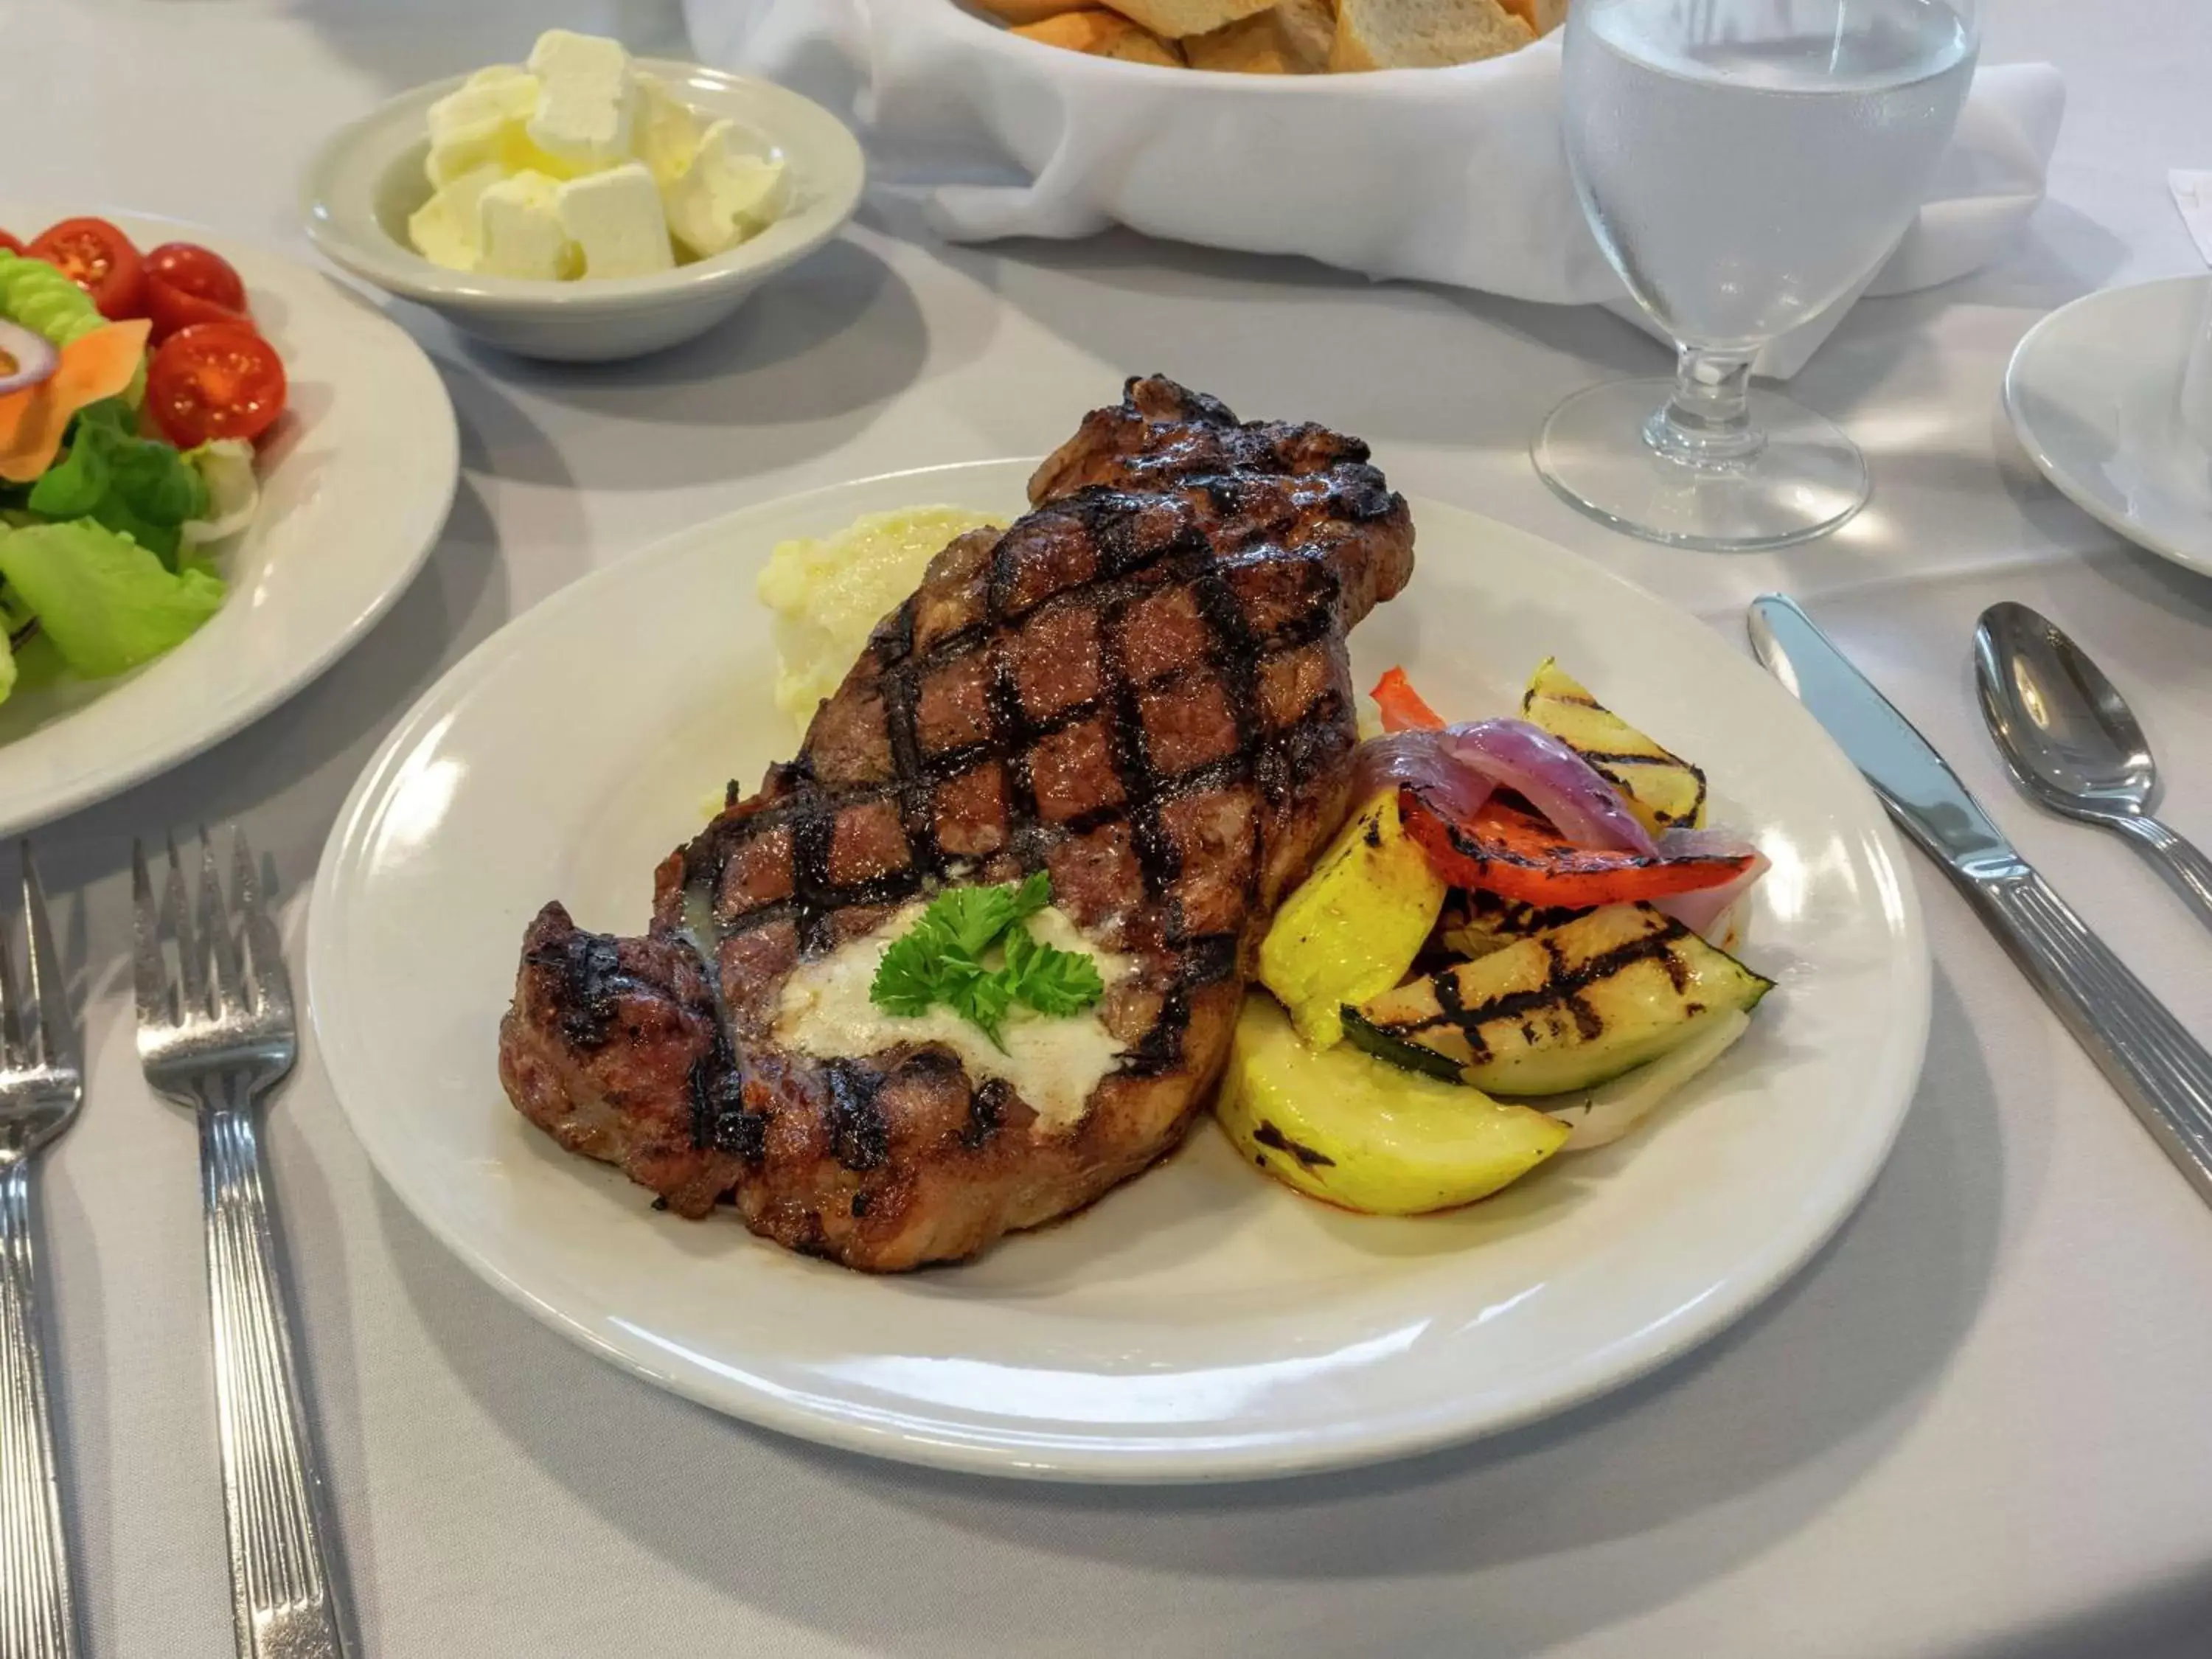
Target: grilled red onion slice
1555	780
1705	913
1457	768
27	359
1418	759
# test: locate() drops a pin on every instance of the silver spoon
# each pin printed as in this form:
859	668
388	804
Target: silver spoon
2072	743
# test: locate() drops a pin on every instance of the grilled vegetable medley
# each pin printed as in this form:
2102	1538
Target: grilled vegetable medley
1519	945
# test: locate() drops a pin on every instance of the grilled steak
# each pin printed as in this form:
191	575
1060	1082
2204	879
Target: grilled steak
1141	687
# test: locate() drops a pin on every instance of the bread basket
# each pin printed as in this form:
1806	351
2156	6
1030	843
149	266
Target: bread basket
1449	175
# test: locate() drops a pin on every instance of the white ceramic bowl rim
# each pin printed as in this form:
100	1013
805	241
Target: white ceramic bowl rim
338	200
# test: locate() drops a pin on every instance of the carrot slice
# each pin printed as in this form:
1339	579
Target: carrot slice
1519	855
99	365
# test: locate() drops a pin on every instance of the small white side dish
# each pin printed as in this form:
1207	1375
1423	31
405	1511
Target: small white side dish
1202	1322
367	179
2095	393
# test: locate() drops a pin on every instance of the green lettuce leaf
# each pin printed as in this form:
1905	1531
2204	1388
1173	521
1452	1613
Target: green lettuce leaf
106	603
7	668
140	488
225	466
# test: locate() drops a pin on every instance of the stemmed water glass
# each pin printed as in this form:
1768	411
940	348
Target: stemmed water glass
1745	164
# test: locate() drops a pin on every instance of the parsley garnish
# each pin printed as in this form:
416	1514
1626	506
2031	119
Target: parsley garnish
1056	982
942	958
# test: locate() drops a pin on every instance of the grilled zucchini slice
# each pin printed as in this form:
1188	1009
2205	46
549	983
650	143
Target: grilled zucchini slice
1354	926
1662	789
1572	1007
1598	1117
1476	921
1338	1125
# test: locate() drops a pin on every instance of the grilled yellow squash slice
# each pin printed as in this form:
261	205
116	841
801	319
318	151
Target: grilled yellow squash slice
1341	1126
1565	1010
1662	789
1354	926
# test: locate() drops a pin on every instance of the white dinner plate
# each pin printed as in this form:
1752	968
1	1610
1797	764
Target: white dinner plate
1201	1322
2095	392
355	485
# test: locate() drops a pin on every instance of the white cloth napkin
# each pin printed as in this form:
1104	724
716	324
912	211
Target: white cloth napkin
1453	176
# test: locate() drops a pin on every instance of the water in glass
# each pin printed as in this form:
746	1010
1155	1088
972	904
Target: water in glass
1745	165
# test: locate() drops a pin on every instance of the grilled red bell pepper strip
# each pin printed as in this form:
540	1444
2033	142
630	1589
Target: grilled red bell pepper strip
1505	850
1401	706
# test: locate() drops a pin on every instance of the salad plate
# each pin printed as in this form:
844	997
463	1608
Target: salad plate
355	483
1202	1322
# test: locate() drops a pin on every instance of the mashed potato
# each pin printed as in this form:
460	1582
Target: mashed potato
827	595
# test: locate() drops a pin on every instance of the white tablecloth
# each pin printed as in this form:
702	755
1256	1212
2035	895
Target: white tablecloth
1978	1424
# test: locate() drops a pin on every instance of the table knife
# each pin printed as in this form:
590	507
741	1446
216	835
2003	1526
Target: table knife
2163	1073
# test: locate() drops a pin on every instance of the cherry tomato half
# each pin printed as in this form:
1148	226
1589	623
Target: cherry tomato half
100	259
171	308
186	284
200	273
10	243
215	380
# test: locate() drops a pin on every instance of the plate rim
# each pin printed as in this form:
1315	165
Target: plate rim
155	759
1166	1461
2037	339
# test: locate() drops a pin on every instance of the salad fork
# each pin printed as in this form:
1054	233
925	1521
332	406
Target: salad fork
214	1035
42	1086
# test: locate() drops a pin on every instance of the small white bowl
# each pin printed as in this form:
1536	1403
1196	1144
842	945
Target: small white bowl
367	179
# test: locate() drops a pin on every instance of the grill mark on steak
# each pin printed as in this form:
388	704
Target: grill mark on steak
1015	736
719	1122
987	1107
1141	687
591	981
857	1129
1235	654
1138	780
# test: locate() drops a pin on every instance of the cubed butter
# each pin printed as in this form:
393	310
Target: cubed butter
615	220
666	131
445	230
585	105
518	226
481	124
582	164
730	192
509	85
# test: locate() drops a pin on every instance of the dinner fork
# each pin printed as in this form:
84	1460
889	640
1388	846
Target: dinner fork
40	1088
214	1035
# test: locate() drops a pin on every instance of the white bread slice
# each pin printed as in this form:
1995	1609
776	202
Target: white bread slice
1542	16
1291	37
1373	34
1175	19
1030	11
1104	34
